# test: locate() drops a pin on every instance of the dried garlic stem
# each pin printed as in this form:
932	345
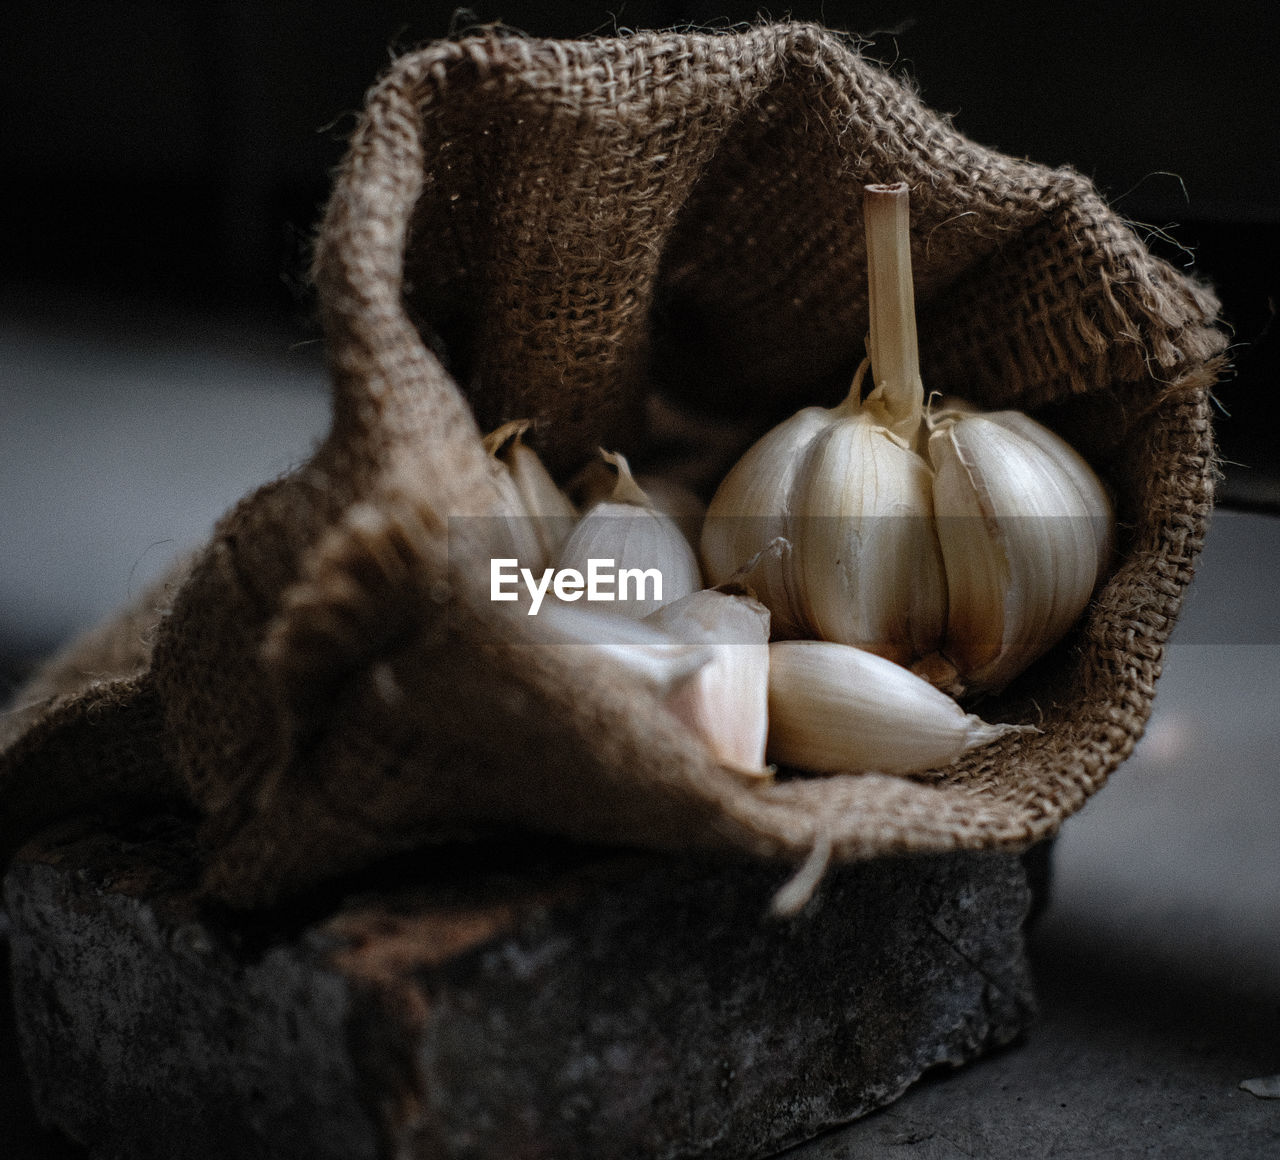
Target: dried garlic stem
895	356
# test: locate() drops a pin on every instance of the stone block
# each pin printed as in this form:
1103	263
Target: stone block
503	1000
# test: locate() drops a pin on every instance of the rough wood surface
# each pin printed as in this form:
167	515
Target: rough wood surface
504	1001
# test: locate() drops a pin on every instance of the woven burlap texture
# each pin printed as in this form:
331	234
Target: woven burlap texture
574	228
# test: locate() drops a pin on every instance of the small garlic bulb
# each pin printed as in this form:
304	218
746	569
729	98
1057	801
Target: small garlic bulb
648	553
837	709
1025	529
544	509
726	702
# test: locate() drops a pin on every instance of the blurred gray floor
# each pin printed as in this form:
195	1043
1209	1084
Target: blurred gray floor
125	431
1158	960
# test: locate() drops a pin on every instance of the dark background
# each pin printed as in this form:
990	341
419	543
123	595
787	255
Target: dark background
185	149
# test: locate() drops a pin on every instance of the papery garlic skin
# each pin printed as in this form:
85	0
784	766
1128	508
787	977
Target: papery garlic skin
1072	465
1025	529
838	709
726	702
868	562
639	542
752	508
855	504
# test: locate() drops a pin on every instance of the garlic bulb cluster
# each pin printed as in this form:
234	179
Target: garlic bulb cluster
865	540
703	653
965	542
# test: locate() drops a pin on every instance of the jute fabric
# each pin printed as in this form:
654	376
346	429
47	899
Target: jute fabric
588	235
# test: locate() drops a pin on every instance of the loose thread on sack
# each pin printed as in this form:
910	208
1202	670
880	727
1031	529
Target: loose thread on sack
795	893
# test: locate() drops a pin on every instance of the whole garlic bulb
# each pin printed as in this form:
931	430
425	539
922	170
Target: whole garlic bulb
967	541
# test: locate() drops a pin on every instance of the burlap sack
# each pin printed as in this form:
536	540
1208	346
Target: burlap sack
586	227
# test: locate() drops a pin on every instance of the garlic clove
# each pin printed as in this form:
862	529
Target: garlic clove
645	551
706	656
513	534
652	561
834	709
659	660
549	510
726	702
977	570
1025	529
752	508
596	482
869	564
1073	466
